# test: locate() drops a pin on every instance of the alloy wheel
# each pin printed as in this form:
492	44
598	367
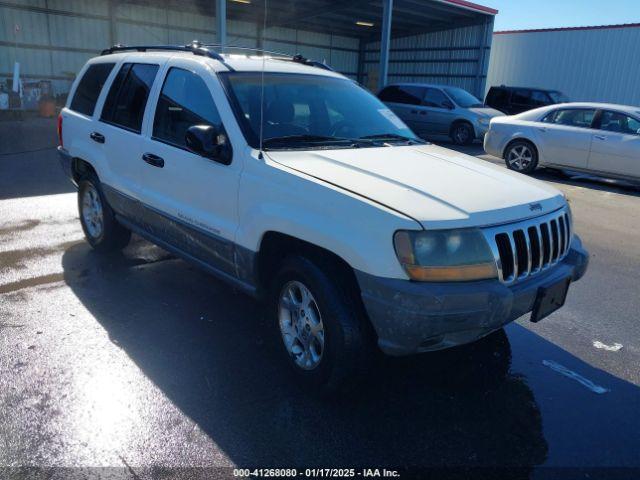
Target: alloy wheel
92	213
301	325
520	157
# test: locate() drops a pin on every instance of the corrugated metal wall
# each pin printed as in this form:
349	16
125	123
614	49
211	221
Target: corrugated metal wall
458	57
52	39
600	65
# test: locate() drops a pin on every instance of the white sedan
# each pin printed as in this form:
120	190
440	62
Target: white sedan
597	138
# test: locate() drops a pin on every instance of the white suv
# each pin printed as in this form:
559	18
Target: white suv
298	186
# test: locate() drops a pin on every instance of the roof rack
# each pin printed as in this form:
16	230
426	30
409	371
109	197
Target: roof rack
198	48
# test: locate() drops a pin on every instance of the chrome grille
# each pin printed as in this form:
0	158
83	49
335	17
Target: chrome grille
526	248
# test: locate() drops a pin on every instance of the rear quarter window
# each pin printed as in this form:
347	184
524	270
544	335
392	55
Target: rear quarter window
86	95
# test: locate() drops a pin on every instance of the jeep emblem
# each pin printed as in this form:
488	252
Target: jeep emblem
535	206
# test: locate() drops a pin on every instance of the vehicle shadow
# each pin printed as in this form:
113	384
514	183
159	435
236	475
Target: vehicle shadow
213	355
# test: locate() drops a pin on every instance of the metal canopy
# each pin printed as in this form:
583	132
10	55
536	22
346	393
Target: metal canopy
410	17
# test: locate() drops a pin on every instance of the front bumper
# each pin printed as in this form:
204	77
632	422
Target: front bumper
412	317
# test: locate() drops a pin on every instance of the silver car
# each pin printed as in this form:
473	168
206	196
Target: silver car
439	110
598	138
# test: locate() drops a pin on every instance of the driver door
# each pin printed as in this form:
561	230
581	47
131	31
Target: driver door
191	200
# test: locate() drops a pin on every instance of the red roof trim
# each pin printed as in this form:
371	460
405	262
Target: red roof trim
568	29
473	6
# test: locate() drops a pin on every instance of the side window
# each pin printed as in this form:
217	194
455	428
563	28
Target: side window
539	98
550	117
435	98
521	97
498	97
620	123
406	94
573	117
89	88
128	96
184	101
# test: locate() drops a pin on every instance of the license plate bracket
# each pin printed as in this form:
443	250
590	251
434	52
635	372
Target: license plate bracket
549	299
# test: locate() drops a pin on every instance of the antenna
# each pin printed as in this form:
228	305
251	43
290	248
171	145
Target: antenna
264	27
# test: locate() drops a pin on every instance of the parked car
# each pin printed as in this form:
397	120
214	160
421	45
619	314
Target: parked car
319	201
590	137
439	110
513	100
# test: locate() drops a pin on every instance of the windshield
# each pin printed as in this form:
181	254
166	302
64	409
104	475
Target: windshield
558	97
463	98
311	111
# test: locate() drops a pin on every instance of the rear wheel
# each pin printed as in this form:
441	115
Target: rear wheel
100	227
462	133
320	326
521	156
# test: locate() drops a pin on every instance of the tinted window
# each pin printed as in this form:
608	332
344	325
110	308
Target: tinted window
498	97
184	101
521	97
89	88
539	98
128	95
407	94
618	122
571	117
435	98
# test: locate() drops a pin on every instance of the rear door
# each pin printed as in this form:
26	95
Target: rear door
119	131
616	145
193	198
406	103
438	115
564	137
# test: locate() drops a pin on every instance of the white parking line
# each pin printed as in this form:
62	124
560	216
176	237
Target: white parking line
609	348
575	376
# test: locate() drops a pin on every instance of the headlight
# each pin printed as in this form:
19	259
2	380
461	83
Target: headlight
484	121
445	255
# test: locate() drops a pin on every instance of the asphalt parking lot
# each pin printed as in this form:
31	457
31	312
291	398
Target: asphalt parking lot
141	362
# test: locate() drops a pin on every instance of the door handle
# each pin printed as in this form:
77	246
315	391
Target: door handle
153	160
600	137
97	137
542	129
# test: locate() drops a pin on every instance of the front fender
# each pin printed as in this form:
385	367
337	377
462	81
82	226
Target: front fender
357	230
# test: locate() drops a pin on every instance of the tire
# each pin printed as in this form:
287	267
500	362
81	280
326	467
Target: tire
100	227
462	133
521	156
341	358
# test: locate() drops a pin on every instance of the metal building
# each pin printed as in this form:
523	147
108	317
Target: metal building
599	63
372	41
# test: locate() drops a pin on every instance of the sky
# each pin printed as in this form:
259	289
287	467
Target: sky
526	14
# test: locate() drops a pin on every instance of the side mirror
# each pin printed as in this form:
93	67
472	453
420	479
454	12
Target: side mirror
448	104
210	142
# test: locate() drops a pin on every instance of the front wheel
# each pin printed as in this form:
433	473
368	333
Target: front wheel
521	156
462	134
100	227
320	326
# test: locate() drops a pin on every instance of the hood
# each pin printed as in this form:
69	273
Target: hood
438	187
486	112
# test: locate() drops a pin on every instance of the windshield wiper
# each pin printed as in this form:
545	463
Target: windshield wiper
393	137
308	139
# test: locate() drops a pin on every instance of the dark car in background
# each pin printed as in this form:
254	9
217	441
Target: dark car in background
513	100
